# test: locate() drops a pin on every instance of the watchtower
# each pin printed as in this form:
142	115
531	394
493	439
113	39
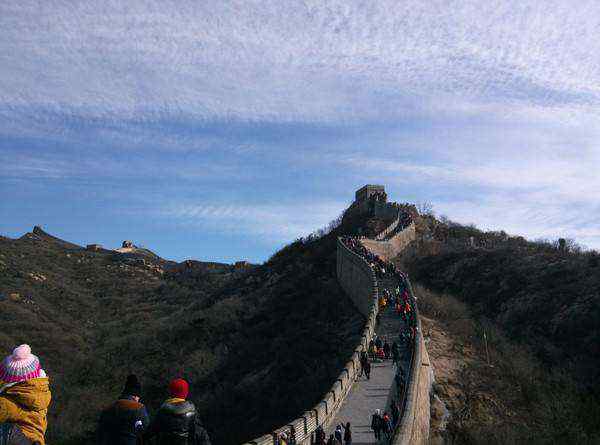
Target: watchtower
364	193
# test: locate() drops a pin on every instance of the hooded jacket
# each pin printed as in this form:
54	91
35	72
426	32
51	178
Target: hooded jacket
122	423
177	423
26	405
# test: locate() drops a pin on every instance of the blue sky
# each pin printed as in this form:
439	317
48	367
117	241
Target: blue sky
223	130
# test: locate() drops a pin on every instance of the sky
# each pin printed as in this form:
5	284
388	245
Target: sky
222	130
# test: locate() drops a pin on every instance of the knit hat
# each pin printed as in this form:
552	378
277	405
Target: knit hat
21	365
179	388
133	387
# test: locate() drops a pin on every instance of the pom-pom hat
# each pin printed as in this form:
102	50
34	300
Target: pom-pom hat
21	365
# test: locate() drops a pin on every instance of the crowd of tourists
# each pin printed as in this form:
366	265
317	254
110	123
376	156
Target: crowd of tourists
25	398
381	268
342	435
399	301
285	437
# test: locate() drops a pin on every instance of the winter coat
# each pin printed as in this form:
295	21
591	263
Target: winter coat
177	423
338	434
320	436
376	422
25	404
347	435
386	424
122	423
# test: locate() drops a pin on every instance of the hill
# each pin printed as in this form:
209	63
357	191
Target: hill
245	338
545	300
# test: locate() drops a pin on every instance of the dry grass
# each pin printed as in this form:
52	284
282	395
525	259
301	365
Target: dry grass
545	405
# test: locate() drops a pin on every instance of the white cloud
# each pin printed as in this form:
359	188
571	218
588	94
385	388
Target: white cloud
507	95
308	60
270	222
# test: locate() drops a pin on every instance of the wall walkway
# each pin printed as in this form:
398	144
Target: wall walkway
376	393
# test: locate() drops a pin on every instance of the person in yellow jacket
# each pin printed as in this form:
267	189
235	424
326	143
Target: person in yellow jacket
24	398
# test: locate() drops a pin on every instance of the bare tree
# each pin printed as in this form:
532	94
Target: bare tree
425	208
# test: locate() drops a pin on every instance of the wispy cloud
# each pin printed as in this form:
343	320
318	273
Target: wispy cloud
489	110
316	61
273	223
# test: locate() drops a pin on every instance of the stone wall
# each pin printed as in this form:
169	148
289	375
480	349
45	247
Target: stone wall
414	425
390	228
357	279
384	210
391	248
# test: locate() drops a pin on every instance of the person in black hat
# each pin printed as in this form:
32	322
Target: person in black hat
124	421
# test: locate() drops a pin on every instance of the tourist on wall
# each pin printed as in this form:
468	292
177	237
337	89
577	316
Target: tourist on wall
124	421
363	361
395	412
387	426
24	398
319	436
377	424
386	349
177	422
347	434
400	381
395	353
339	434
283	439
372	349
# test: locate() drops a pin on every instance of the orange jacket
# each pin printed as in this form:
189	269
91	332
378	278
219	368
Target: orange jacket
26	404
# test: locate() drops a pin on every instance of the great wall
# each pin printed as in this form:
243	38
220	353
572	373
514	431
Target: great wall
359	282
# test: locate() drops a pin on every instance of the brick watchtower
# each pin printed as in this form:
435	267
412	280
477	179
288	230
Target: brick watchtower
364	193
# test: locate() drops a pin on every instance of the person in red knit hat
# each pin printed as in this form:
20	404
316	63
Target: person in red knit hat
177	422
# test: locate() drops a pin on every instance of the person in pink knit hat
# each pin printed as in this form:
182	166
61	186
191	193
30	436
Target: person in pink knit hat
24	398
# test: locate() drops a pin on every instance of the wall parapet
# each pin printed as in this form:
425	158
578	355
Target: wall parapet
407	431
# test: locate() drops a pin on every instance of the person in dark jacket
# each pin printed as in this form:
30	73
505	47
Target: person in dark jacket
320	436
123	422
347	434
363	360
377	424
368	370
386	349
395	412
339	434
395	353
177	422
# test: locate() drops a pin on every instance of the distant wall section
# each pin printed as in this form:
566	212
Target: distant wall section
391	248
